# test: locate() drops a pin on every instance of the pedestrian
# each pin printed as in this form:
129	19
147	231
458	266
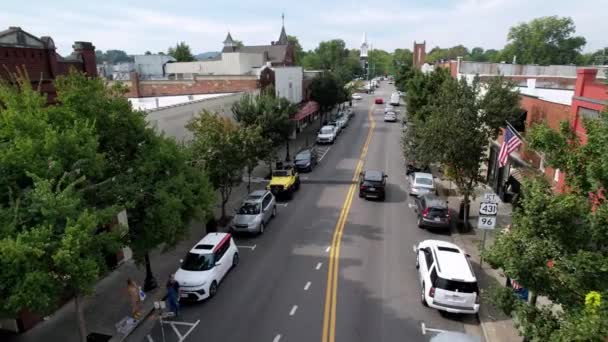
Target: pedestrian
173	294
134	297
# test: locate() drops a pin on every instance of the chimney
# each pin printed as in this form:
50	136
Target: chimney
87	51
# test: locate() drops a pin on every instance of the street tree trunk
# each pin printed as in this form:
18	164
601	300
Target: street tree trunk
82	329
150	282
466	212
248	179
287	156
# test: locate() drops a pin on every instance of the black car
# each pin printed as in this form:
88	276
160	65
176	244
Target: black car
306	160
432	212
372	184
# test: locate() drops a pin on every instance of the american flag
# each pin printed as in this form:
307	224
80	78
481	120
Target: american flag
509	144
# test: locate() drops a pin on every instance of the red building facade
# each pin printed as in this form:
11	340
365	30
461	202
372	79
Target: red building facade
37	57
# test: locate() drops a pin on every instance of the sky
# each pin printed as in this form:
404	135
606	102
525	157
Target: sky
155	25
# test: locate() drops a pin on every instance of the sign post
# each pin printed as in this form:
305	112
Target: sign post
488	210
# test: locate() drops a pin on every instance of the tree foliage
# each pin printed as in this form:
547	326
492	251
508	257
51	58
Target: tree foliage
325	90
298	50
181	52
545	40
112	56
422	90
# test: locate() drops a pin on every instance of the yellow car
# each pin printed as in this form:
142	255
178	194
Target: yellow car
284	182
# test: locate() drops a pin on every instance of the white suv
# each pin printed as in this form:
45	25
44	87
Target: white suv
205	265
446	277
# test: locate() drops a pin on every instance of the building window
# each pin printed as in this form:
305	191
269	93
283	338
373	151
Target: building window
587	113
556	176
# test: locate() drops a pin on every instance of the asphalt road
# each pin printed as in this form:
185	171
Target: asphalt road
279	291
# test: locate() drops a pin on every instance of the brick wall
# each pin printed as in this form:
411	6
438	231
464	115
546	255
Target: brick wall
201	85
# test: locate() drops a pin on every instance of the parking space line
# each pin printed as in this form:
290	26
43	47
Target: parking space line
324	154
307	286
293	310
328	249
425	329
247	247
277	338
284	205
318	266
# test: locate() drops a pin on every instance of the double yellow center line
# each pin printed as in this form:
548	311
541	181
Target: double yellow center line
329	314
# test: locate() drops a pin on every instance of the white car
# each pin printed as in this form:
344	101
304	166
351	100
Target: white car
327	135
389	108
390	117
357	97
395	98
446	277
421	183
205	265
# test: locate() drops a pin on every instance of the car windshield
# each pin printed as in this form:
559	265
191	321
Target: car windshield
326	130
197	262
424	181
456	286
249	209
303	155
280	173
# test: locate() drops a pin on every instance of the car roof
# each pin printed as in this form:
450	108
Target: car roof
452	261
433	200
423	175
373	175
328	126
206	244
256	196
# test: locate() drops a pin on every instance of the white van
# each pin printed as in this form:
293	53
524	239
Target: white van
395	99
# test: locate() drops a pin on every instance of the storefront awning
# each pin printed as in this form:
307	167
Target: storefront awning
308	109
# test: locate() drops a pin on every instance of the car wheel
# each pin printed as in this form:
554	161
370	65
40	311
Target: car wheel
422	298
274	211
298	184
235	260
212	289
261	230
360	194
383	197
419	220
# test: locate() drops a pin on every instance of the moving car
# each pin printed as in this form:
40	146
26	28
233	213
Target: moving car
390	117
357	97
421	183
255	212
306	160
432	211
327	135
284	182
395	99
379	100
206	265
372	184
446	277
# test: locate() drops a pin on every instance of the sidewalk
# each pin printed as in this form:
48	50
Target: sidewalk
110	304
496	326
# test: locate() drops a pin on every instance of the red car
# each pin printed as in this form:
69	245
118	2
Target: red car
379	100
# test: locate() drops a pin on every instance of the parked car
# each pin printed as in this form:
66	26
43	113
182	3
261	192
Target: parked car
334	122
327	135
350	112
206	265
432	212
390	117
284	182
306	160
446	277
255	212
357	97
389	108
421	183
342	121
372	184
379	100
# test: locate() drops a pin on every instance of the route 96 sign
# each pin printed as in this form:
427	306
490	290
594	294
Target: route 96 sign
488	209
486	222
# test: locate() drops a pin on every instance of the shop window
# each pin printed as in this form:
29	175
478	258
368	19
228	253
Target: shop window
587	113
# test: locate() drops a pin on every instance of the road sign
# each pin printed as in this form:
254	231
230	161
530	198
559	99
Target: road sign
486	222
488	209
490	197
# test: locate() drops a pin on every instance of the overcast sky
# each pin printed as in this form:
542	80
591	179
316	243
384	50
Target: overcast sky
154	25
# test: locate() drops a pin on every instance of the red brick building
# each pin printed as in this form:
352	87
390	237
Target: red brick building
20	50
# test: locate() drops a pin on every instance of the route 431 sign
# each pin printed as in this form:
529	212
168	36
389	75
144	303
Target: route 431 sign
488	209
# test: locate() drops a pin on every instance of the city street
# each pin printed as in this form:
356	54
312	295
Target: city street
297	283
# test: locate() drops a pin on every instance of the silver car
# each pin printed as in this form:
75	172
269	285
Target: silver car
255	212
421	183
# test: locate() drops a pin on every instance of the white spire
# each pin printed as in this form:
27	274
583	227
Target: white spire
364	46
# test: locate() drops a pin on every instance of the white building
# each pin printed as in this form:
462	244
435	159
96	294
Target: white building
228	63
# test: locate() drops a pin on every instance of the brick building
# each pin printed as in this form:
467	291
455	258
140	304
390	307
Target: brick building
22	51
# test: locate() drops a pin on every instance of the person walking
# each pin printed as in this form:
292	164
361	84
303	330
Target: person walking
173	294
134	297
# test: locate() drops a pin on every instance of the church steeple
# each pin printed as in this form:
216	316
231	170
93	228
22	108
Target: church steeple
283	37
229	42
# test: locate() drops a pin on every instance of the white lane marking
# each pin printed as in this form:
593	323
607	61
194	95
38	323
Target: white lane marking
293	310
318	266
248	247
324	154
284	205
150	338
277	338
328	249
307	286
425	329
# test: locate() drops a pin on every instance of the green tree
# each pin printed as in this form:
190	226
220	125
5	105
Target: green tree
256	148
545	40
217	149
422	90
51	232
299	51
478	55
325	90
181	52
112	56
